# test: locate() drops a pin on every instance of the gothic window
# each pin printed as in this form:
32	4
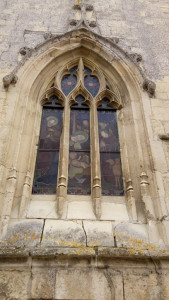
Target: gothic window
79	152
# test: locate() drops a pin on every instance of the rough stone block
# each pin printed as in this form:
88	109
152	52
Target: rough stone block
23	233
43	284
130	235
64	233
14	285
82	284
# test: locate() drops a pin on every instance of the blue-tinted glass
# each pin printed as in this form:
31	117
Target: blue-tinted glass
69	81
91	82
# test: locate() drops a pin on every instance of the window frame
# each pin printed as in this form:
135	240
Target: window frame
93	102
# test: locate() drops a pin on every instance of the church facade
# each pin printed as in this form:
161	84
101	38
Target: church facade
84	150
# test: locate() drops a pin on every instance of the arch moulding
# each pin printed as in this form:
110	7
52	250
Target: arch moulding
35	75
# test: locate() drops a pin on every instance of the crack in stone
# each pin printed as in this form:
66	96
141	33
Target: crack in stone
110	283
85	233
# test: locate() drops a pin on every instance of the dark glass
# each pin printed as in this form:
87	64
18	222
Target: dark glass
91	82
111	174
69	81
46	171
108	133
110	162
79	181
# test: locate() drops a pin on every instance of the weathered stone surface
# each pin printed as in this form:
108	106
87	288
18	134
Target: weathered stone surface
23	233
14	285
63	233
131	236
99	233
82	284
43	284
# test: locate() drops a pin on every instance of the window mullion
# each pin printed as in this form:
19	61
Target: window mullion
95	161
63	162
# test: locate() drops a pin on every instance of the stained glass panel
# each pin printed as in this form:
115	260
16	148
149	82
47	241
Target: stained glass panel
91	82
79	181
45	177
69	81
108	133
111	173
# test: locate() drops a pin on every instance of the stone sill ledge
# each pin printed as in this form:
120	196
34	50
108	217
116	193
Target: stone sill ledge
89	252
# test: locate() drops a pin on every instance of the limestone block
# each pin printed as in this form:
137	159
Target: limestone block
14	285
165	285
80	208
130	235
114	211
23	233
42	209
82	284
43	284
63	233
99	233
136	287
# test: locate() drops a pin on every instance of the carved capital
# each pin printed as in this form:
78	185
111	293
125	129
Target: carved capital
149	86
10	79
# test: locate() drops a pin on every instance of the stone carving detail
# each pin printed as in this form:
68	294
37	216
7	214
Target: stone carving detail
149	86
25	51
10	79
84	21
136	57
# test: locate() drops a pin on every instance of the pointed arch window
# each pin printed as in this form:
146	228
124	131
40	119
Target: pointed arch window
79	150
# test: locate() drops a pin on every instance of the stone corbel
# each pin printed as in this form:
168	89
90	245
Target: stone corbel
9	79
149	86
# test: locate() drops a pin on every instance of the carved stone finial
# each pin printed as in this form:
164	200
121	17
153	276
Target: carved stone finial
77	6
9	79
89	7
149	86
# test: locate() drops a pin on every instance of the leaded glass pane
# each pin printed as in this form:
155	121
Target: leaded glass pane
111	173
91	82
69	81
45	177
79	181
